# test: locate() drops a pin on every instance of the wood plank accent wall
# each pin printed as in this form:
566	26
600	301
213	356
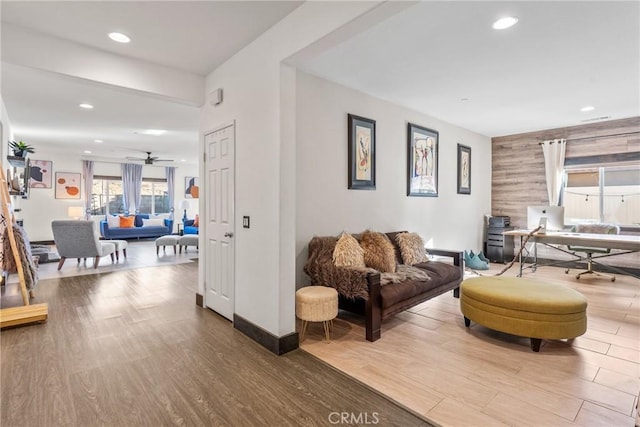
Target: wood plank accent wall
518	165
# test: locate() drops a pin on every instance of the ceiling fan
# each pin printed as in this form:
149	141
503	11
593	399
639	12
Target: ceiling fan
149	160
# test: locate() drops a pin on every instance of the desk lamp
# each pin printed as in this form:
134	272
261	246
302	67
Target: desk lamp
75	212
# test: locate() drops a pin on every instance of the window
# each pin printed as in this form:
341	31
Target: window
155	196
107	196
603	194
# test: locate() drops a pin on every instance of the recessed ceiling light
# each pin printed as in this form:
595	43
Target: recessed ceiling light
98	141
155	132
182	160
587	108
86	106
506	22
119	37
87	152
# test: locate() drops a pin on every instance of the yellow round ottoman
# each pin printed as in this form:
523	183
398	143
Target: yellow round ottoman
524	307
316	304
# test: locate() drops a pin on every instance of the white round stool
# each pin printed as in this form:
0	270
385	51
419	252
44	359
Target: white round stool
317	304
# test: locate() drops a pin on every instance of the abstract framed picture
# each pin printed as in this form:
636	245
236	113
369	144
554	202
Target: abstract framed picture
41	174
422	161
362	153
192	189
67	185
464	169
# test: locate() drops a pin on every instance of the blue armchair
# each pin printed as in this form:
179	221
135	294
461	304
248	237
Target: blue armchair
188	227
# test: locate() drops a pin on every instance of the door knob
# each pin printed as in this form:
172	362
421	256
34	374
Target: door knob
228	234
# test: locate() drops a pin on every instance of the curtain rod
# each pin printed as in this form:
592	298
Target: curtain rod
596	136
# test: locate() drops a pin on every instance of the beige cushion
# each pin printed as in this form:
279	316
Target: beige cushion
348	252
113	221
378	252
153	222
411	248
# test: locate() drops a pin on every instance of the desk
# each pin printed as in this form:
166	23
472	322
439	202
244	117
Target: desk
626	243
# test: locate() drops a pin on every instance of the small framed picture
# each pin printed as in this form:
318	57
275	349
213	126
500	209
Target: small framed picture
40	174
362	153
67	185
464	169
422	168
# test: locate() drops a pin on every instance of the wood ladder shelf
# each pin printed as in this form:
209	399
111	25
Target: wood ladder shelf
26	313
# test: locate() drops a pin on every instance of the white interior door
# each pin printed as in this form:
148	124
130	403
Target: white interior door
220	160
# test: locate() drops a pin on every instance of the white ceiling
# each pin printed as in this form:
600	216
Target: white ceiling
195	36
560	57
44	110
185	35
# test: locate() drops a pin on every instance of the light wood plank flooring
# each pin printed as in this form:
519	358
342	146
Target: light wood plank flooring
131	348
428	361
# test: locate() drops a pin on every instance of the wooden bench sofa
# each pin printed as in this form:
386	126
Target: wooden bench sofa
362	291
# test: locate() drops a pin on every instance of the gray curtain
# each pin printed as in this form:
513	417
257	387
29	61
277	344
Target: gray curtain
170	173
87	174
131	187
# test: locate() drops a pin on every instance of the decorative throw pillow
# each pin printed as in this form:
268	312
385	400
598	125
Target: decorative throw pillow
348	252
126	221
411	248
196	222
153	222
113	221
378	252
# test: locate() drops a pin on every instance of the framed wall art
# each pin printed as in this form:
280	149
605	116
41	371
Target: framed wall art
67	185
192	189
362	153
422	167
464	169
41	174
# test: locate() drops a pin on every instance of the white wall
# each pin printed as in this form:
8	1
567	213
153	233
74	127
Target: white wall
251	80
324	205
42	207
7	135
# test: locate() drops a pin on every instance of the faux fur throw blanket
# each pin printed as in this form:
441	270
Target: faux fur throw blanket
24	255
348	281
403	272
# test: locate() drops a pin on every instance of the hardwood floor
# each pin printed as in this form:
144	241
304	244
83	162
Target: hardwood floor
131	348
428	361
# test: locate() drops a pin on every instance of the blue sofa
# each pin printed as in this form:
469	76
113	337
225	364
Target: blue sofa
188	227
136	232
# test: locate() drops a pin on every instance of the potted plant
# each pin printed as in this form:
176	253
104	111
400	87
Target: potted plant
20	149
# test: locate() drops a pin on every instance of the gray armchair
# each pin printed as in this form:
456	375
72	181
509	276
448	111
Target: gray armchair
592	229
79	239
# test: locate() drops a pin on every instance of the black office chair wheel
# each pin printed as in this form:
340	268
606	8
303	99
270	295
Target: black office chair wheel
613	279
566	271
578	277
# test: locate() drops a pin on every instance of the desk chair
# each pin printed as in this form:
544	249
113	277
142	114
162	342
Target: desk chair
593	229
